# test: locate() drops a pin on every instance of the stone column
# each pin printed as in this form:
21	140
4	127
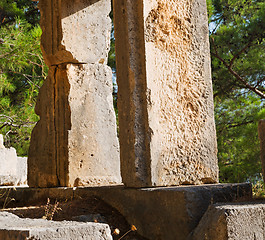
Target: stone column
75	142
165	101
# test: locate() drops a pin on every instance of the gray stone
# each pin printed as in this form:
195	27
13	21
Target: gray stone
166	117
75	142
12	227
236	221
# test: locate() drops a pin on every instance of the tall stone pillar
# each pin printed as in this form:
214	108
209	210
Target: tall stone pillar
75	142
165	101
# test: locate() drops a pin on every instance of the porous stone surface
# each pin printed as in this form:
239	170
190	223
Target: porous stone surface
12	227
166	117
261	131
75	142
232	222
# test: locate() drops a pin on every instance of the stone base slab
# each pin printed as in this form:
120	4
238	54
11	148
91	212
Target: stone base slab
12	227
243	221
158	213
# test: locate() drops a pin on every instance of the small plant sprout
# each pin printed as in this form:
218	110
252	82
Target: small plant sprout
51	209
133	229
5	195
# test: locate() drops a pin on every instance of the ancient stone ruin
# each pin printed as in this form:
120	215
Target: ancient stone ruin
75	141
166	120
166	123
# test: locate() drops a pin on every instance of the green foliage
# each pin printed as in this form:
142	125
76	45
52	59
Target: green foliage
238	145
22	71
24	9
258	187
237	36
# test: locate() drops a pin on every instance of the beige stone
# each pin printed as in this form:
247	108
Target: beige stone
166	117
75	31
75	142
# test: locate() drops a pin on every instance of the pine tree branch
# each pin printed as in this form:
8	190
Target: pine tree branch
10	122
239	53
235	74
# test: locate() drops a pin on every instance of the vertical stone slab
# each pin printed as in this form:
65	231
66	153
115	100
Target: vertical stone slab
166	118
75	142
261	131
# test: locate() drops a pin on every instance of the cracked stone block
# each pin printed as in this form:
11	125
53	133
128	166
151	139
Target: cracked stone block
165	100
12	227
75	142
76	134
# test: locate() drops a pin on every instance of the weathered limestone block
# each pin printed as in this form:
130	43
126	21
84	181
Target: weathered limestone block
8	165
166	118
12	227
13	169
77	131
22	170
93	143
76	31
232	222
75	142
261	131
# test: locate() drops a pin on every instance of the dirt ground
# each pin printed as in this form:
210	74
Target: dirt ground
86	210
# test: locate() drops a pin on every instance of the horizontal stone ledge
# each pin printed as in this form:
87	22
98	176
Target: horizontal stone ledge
13	227
158	213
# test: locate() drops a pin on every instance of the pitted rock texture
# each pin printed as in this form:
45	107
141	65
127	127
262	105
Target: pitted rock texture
13	227
75	142
169	62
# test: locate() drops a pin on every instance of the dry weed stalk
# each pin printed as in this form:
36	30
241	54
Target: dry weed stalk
51	209
5	195
133	228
